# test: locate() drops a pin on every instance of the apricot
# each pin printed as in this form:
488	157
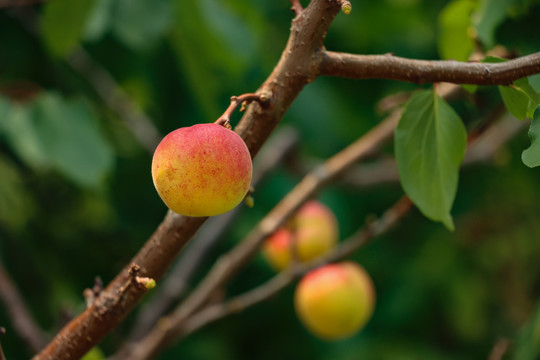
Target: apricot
315	230
335	301
202	170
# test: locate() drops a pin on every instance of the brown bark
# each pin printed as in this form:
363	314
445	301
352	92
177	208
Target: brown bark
428	71
302	61
281	88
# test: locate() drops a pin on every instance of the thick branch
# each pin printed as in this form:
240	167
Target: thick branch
22	321
428	71
119	298
282	87
229	264
480	148
298	65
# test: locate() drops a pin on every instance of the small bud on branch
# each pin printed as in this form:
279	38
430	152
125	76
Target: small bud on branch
346	6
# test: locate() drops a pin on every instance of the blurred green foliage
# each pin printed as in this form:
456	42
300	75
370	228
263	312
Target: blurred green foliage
77	200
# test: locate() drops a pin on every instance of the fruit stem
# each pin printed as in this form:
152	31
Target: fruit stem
244	99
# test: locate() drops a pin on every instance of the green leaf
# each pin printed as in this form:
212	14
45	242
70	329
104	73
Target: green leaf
455	41
99	21
527	345
71	139
531	155
20	133
490	14
430	142
94	354
516	101
520	99
534	98
139	23
52	133
63	24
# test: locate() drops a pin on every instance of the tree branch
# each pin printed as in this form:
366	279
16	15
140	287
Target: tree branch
384	171
500	348
301	62
180	275
121	295
229	264
296	7
266	290
2	333
480	148
427	71
282	86
23	322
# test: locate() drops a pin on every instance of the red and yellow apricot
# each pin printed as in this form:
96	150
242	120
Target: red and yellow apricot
335	301
202	170
314	230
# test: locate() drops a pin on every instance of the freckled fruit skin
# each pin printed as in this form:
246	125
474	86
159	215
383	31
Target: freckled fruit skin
202	170
335	301
316	230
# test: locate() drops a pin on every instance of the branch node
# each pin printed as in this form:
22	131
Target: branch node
90	295
141	282
134	270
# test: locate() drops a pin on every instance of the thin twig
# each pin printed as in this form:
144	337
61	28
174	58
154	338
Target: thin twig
393	67
384	170
273	286
373	229
296	7
155	257
358	240
225	118
23	323
229	264
2	333
499	349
